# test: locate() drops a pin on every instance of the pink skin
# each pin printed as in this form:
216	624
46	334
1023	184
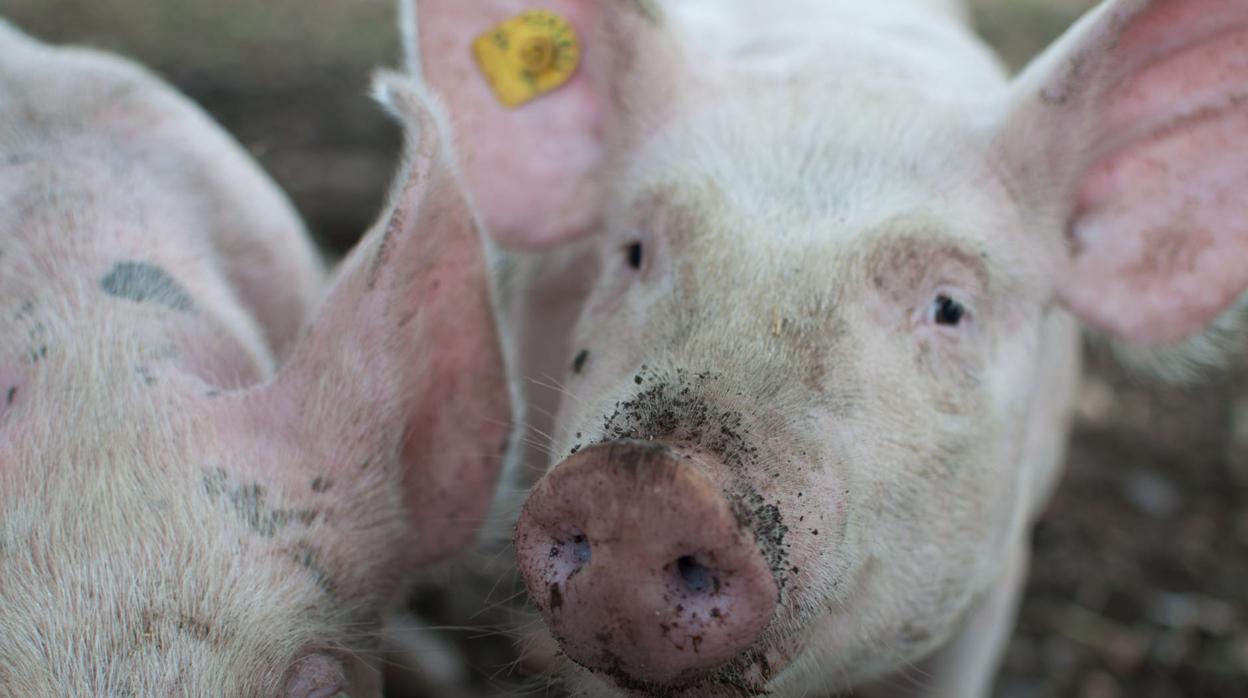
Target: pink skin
205	487
800	258
1159	217
626	595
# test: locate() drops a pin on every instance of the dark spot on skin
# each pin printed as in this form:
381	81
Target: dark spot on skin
556	597
248	502
145	374
143	283
308	556
814	531
36	332
579	362
8	398
194	627
321	484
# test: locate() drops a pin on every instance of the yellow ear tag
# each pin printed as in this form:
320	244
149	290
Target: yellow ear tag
527	56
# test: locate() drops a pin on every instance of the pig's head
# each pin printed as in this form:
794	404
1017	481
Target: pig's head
822	368
160	536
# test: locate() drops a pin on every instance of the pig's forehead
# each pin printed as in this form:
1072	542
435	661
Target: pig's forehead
817	170
715	222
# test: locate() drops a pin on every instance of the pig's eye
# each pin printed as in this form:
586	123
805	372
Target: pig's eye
946	311
633	253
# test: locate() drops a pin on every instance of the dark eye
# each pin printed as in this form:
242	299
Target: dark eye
633	252
947	311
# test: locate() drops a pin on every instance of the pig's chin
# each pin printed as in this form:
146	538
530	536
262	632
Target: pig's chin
749	675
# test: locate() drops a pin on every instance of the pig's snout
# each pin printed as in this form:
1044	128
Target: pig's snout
640	567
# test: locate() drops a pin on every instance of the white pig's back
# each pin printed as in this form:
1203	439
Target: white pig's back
98	157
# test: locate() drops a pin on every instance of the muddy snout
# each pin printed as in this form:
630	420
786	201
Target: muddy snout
640	567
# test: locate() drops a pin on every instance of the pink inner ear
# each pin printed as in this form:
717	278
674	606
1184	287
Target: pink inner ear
458	427
1165	24
533	169
1161	231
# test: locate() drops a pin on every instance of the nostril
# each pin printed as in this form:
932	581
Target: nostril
696	577
580	549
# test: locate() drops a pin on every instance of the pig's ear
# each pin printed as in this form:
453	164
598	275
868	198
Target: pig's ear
401	370
536	169
1131	132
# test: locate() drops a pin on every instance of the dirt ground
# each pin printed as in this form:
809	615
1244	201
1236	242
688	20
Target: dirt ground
1139	585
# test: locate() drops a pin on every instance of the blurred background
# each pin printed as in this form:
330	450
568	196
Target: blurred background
1139	585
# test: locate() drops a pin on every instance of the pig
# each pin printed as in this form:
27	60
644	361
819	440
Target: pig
216	474
795	294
